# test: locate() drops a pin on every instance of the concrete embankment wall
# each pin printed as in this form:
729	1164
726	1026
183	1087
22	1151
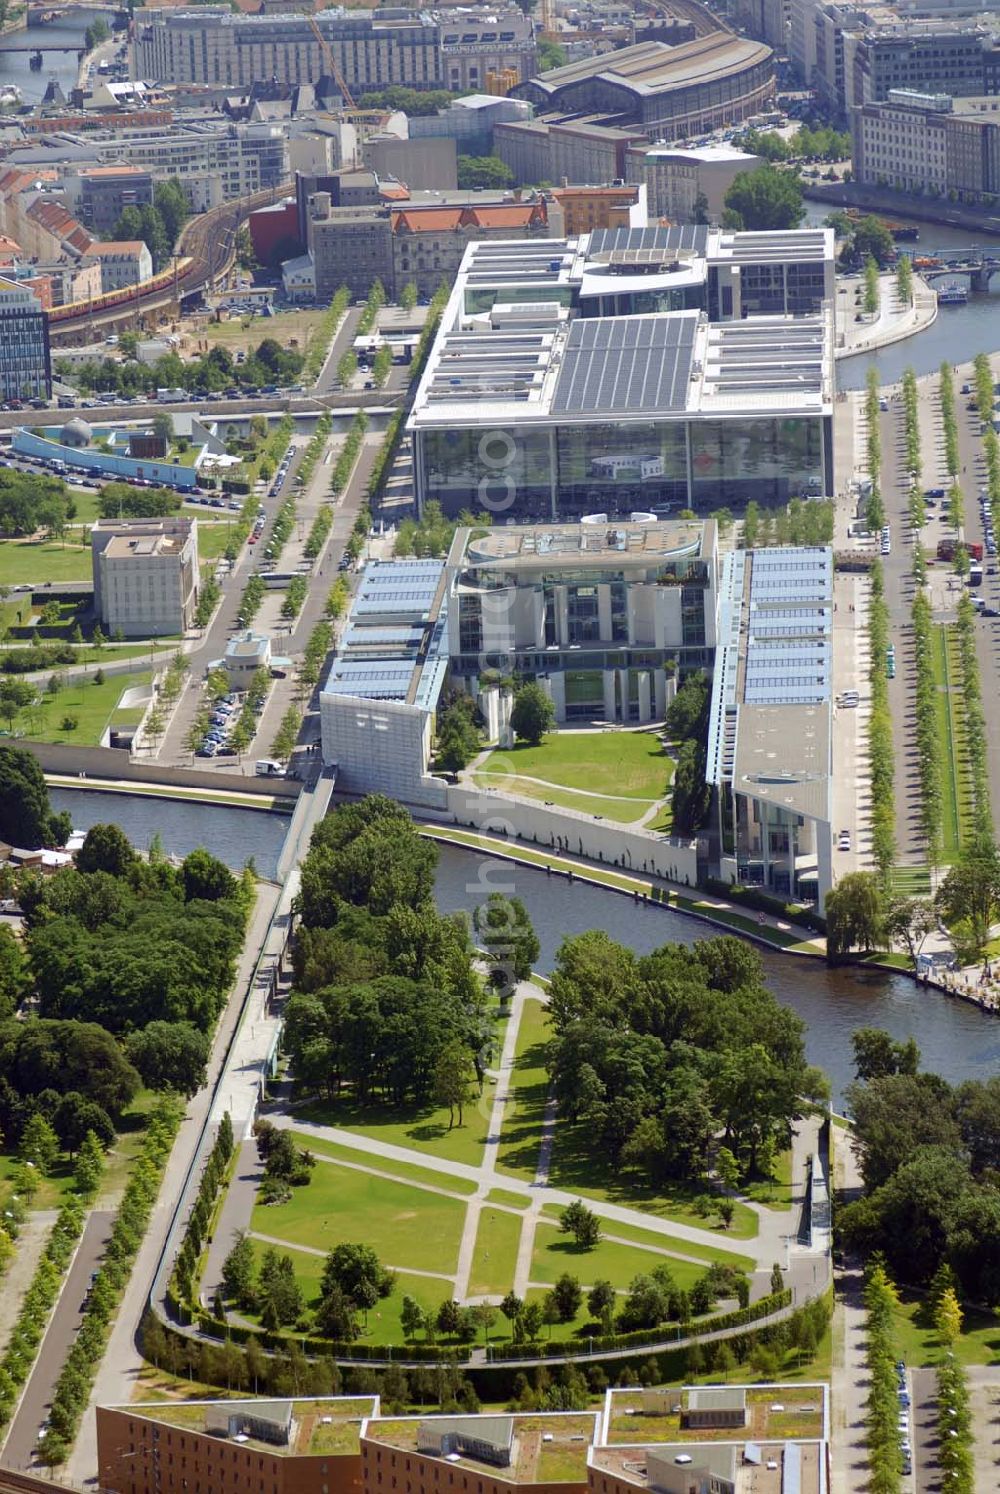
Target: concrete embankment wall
111	762
559	829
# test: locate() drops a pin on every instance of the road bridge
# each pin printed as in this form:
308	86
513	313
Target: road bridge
978	265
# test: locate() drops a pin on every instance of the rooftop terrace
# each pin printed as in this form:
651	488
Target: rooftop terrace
546	1448
327	1425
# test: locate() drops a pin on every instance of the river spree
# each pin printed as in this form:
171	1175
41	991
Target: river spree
231	834
959	331
956	1040
62	67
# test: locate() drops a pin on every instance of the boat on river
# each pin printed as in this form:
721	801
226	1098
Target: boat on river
952	295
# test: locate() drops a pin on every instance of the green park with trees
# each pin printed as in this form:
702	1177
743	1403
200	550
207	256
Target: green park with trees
393	1032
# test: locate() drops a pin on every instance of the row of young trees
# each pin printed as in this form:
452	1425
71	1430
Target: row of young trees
874	507
949	420
975	721
340	473
914	460
928	741
881	753
199	1222
72	1391
885	1459
324	334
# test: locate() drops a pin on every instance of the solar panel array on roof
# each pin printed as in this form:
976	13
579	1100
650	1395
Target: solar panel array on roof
691	238
789	648
636	364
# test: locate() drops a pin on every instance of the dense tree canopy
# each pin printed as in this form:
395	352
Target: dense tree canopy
383	982
39	1057
764	198
928	1154
129	949
657	1056
30	502
26	817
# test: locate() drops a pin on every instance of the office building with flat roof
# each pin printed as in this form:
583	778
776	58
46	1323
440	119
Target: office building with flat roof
604	615
551	392
770	724
145	575
379	699
229	1446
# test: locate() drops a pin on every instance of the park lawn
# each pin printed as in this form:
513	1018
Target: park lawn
626	811
495	1257
511	1200
52	1190
285	327
918	1344
520	1135
38	561
119	1160
630	763
404	1224
383	1325
412	1172
577	1168
94	707
774	1192
555	1253
213	539
424	1130
706	1253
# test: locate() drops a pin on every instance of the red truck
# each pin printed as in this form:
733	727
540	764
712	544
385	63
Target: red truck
946	550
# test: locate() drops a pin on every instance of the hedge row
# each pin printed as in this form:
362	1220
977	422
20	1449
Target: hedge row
764	902
212	1179
73	1387
740	1317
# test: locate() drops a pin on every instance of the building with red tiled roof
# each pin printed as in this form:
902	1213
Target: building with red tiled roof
422	243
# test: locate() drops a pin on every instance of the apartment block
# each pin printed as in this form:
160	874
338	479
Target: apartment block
99	194
123	262
25	367
339	1445
213	45
145	576
930	144
228	1447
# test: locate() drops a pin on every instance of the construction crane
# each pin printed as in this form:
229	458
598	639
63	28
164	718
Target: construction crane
331	62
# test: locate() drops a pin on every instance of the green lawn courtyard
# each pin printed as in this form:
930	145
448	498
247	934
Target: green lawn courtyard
38	561
495	1258
529	1085
424	1131
423	1224
91	707
407	1225
619	775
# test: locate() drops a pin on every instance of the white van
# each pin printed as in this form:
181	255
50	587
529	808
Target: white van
268	768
